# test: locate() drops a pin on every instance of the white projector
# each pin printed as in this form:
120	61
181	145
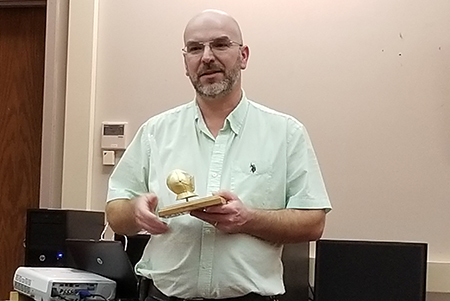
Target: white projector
58	284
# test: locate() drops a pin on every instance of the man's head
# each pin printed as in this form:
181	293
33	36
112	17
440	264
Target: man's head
214	54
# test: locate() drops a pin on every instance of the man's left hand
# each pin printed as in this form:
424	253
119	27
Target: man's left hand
230	217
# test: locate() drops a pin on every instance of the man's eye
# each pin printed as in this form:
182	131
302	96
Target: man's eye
194	48
220	45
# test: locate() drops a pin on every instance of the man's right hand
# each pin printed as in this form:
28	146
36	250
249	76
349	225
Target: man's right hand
146	218
129	217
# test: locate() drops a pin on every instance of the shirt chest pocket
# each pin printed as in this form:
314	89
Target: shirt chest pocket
252	181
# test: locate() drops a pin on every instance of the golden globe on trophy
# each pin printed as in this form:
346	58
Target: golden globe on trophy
182	184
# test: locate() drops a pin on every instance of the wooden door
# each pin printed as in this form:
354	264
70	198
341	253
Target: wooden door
22	47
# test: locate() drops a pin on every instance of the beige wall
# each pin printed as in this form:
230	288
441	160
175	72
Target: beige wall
369	79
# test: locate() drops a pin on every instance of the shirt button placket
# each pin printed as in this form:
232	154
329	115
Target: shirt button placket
208	234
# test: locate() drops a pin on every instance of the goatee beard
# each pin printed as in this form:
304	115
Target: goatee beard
219	89
215	90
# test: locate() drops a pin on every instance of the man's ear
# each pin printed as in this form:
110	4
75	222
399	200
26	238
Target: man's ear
245	53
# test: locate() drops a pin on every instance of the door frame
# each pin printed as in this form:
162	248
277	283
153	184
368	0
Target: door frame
54	104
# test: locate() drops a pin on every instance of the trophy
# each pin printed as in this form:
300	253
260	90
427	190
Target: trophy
182	184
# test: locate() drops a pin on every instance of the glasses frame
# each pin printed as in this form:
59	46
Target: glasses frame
208	43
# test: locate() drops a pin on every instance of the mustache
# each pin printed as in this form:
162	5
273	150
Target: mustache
210	68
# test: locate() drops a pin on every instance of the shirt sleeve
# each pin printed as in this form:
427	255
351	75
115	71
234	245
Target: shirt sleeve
130	176
305	186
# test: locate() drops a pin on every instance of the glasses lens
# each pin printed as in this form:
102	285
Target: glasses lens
194	48
220	44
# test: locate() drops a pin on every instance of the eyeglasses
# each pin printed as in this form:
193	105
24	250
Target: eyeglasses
217	46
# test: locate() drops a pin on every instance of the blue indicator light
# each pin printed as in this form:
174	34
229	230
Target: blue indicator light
60	255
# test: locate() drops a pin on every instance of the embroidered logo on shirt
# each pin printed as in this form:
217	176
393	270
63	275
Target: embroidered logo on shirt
252	167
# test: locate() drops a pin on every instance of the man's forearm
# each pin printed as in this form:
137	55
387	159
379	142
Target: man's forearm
286	225
121	218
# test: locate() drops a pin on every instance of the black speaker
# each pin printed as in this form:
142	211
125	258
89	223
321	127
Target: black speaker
47	230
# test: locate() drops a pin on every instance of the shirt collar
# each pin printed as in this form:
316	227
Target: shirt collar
235	119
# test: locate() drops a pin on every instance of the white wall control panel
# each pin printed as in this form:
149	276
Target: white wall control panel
114	135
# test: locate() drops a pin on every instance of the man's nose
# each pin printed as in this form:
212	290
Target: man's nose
208	54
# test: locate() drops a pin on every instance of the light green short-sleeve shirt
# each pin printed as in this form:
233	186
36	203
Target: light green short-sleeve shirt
263	156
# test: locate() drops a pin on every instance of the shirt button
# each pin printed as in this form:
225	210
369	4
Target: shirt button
214	174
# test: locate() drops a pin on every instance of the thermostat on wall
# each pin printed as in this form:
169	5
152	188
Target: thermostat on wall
113	135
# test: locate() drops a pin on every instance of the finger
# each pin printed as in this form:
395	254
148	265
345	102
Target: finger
215	209
151	200
155	229
227	195
145	214
153	224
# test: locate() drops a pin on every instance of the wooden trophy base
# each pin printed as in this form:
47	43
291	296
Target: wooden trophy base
185	207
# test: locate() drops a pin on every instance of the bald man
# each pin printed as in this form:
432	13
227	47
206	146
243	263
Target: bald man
260	161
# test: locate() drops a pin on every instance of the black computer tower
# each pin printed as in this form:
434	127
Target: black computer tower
47	230
364	270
